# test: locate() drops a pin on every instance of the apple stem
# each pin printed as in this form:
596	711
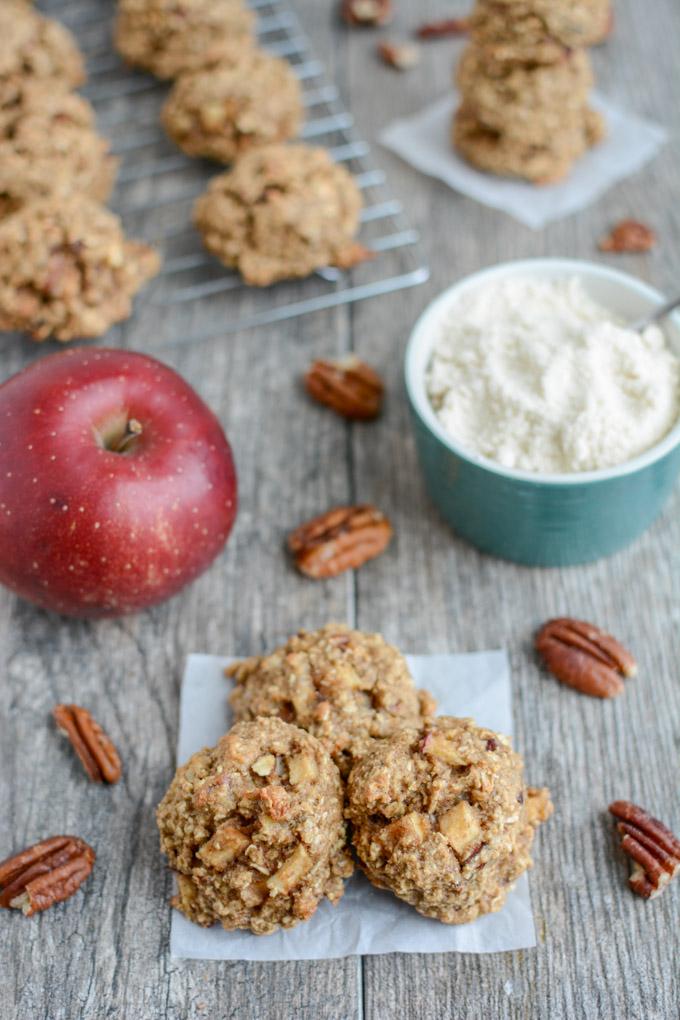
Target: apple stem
133	429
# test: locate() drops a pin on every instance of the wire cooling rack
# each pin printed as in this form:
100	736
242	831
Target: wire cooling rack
158	184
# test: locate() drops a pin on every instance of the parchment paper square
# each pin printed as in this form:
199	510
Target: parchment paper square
423	140
366	920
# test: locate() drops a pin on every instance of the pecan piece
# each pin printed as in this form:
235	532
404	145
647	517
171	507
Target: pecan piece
96	752
400	56
584	657
629	236
653	848
342	539
443	28
349	386
353	254
44	874
367	13
539	805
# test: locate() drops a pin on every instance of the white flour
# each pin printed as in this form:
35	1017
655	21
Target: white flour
535	375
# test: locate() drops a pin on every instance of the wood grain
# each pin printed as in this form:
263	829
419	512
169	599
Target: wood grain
601	951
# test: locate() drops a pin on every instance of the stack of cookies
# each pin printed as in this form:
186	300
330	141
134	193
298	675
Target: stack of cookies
335	748
66	270
524	80
282	211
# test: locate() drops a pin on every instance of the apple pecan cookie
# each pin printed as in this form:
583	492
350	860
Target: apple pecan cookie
168	37
281	212
524	88
538	30
35	47
66	269
542	105
344	686
253	829
23	98
223	111
48	148
442	817
497	152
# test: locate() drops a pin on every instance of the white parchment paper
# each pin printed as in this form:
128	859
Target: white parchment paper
366	920
424	141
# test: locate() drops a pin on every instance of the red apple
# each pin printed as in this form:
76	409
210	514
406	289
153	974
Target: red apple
117	483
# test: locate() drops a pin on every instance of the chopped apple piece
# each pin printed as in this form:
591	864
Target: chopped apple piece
265	764
187	892
461	827
290	872
437	745
223	847
301	769
411	830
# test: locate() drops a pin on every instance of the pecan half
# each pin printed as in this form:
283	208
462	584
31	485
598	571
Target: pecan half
629	236
400	56
342	539
44	874
366	13
96	752
349	386
443	28
584	657
653	848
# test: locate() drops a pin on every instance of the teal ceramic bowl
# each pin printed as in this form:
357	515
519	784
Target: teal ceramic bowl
540	519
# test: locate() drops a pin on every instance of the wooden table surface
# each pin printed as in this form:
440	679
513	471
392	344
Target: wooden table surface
601	951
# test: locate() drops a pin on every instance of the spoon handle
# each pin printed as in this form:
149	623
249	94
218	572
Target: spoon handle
654	316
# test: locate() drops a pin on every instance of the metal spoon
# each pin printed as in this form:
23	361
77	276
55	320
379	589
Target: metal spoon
655	315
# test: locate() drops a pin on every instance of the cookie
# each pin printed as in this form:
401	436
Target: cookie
441	816
537	30
253	829
344	686
66	269
32	46
22	98
536	104
222	112
282	212
169	37
48	149
498	152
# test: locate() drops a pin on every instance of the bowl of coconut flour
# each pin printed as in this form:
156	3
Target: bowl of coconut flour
548	430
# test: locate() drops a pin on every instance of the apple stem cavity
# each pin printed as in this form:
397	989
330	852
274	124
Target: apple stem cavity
120	436
133	430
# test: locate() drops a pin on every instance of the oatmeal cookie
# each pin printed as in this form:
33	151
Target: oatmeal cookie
35	47
537	31
66	269
441	816
253	829
344	686
282	212
542	105
168	37
222	112
498	152
22	98
45	154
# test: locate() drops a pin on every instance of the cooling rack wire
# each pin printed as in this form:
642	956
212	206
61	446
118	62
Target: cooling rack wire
194	297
